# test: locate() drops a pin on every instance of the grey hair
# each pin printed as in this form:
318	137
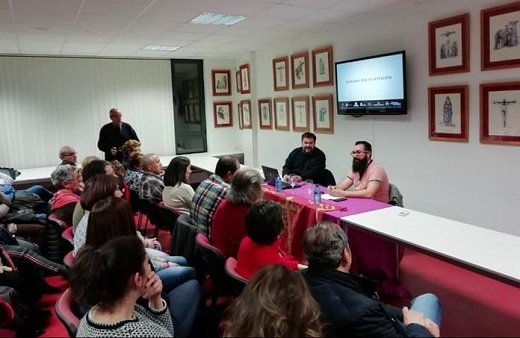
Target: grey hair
147	159
323	244
63	150
246	187
62	174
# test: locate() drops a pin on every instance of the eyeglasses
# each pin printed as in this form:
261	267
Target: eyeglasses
358	152
70	154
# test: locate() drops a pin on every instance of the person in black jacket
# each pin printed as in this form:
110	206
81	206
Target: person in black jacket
306	162
113	135
349	304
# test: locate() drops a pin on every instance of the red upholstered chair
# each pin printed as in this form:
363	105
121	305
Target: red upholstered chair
6	316
66	310
68	259
238	282
68	235
213	263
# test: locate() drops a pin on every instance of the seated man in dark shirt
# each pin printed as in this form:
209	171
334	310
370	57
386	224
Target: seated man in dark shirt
306	162
349	305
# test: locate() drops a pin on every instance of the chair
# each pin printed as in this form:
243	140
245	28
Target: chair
161	217
68	235
394	196
54	242
66	310
329	178
237	281
213	262
183	244
69	259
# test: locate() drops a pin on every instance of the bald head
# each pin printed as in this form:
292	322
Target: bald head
115	116
68	155
151	163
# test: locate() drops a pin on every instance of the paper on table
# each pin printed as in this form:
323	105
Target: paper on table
330	197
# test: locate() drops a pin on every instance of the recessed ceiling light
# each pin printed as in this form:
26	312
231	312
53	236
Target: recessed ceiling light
217	19
160	48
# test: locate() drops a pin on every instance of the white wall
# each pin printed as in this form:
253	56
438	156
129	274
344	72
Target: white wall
469	182
46	103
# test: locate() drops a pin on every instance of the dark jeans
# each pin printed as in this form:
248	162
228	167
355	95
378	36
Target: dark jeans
44	194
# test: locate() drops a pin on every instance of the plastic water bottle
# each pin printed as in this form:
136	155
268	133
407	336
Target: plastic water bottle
317	194
278	183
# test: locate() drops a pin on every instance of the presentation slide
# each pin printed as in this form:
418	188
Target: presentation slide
371	79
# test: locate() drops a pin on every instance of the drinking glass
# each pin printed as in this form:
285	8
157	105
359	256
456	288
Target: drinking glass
310	186
292	181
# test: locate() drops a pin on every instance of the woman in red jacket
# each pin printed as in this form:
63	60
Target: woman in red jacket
261	247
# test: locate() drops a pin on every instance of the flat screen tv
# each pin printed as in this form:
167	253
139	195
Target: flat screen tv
374	85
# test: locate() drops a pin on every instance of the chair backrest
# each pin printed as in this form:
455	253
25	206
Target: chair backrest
66	310
238	282
329	178
213	262
69	259
394	196
162	217
68	235
54	243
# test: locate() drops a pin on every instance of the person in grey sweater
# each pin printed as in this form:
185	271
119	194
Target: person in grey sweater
113	278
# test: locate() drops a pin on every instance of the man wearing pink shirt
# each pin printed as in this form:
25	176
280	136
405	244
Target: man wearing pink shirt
368	177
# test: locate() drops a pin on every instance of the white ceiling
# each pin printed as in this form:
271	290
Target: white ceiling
121	28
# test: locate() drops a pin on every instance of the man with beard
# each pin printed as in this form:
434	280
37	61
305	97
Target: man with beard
368	177
306	162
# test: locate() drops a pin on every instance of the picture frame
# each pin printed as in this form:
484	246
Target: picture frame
500	44
448	118
323	114
500	113
281	113
245	79
448	44
300	113
247	122
265	113
239	111
281	73
221	80
300	70
239	82
223	114
322	67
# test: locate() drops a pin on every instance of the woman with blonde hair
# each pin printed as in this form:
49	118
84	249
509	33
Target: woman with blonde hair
275	303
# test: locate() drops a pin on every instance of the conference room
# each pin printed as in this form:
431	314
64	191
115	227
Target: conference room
253	87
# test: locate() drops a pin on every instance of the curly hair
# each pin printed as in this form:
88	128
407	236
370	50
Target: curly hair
275	303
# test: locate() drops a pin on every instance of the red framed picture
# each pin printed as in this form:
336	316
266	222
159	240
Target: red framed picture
245	79
500	113
300	70
222	114
221	82
265	114
448	113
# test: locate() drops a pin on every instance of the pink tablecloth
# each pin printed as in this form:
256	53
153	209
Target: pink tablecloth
373	257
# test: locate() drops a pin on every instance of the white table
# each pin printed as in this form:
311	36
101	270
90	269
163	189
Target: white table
205	161
485	251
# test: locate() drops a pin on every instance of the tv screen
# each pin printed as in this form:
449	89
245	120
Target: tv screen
374	85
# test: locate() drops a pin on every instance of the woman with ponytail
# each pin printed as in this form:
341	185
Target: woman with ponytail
113	278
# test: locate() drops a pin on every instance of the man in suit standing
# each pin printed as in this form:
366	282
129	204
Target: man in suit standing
113	135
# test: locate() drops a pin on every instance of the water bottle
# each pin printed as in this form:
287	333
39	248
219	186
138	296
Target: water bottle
317	194
278	184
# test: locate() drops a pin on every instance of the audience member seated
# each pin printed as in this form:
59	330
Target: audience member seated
306	162
68	155
349	304
134	173
275	303
152	185
130	148
112	217
211	192
229	226
91	169
97	188
177	192
261	247
119	172
89	159
113	278
6	187
67	179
